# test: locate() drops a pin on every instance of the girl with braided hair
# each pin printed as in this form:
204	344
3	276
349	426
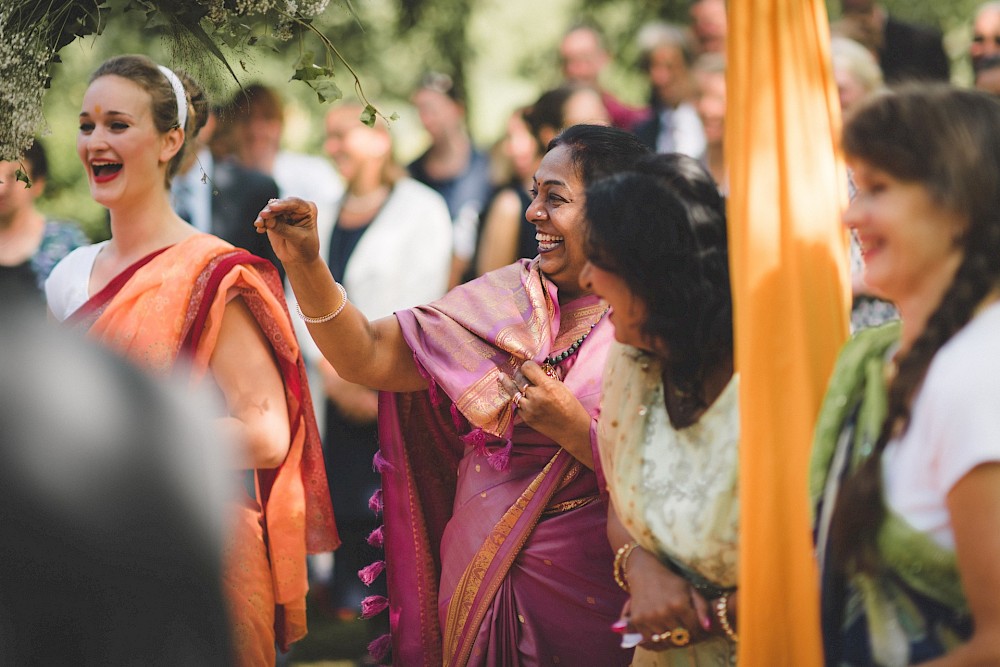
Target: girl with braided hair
906	466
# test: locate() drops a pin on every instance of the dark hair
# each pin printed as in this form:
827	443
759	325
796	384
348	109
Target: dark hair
642	228
699	192
38	161
549	110
256	98
599	151
656	35
142	71
948	141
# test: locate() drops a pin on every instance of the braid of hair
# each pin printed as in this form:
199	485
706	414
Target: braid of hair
860	508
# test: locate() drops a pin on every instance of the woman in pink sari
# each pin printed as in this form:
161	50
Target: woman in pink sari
173	299
494	522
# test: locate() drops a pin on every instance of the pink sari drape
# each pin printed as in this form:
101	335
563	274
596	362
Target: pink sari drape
168	308
495	555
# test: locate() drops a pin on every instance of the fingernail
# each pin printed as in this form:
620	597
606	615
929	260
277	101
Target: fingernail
619	626
706	622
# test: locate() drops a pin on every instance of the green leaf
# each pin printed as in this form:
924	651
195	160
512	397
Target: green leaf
326	89
22	176
369	115
307	70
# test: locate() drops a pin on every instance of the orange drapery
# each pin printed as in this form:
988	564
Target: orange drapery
791	297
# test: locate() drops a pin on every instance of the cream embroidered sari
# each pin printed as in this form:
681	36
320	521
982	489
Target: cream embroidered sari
674	490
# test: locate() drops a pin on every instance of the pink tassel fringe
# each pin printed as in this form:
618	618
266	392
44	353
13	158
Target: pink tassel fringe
379	647
373	605
375	502
369	573
377	537
380	464
500	458
476	438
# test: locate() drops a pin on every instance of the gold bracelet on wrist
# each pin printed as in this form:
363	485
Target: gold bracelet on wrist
722	613
621	562
328	316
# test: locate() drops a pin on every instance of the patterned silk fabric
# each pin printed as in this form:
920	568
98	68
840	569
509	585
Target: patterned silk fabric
496	543
674	490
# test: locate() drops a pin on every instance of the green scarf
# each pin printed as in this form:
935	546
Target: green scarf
858	385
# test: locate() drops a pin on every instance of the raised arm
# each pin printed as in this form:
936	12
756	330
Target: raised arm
373	354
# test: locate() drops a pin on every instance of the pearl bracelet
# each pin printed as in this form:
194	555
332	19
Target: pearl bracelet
328	316
722	613
621	562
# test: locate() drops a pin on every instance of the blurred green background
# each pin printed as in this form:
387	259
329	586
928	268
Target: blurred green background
503	50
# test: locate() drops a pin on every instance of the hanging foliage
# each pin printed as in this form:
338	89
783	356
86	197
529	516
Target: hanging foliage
32	33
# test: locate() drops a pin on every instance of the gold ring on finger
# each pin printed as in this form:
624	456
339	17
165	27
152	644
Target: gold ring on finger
679	636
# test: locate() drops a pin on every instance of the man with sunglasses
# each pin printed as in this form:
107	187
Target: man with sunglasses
985	34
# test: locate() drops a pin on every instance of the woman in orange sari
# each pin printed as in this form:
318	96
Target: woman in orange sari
167	296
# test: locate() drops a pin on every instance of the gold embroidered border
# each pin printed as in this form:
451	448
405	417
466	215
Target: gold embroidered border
460	606
568	505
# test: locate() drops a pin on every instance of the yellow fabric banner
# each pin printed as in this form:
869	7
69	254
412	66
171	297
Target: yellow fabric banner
791	295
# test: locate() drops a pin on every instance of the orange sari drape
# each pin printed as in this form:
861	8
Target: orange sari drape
171	309
789	268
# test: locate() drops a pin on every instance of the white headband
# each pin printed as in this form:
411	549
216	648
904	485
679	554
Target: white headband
182	105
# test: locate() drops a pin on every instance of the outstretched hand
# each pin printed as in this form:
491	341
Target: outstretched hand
290	225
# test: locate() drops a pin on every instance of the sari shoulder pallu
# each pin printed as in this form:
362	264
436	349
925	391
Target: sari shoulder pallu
495	536
167	308
914	609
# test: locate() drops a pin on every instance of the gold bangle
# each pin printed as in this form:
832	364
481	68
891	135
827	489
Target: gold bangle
722	613
328	316
621	562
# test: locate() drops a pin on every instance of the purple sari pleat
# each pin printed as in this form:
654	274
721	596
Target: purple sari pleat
491	566
418	493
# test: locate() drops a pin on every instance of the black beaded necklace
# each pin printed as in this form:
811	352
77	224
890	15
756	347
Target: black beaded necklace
551	361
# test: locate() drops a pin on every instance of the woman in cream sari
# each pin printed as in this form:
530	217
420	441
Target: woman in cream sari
669	425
